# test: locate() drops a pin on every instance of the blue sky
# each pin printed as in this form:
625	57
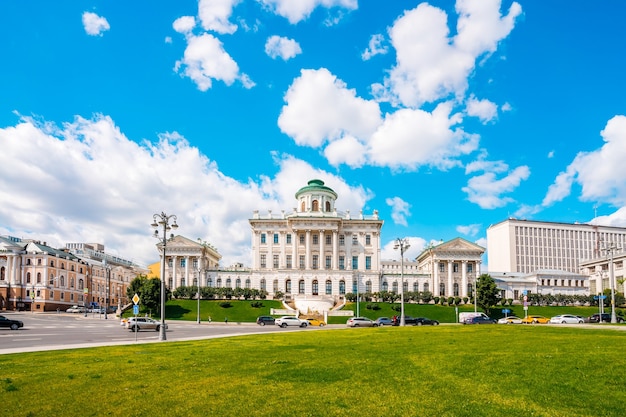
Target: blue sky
444	116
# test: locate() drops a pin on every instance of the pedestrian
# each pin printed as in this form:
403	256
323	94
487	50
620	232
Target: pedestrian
226	320
209	319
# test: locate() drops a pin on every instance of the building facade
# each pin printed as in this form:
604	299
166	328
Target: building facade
189	262
599	271
37	277
528	246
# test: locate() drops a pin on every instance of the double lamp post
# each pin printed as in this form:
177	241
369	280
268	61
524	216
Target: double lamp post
163	221
403	245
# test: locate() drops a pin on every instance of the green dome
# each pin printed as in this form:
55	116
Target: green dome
315	185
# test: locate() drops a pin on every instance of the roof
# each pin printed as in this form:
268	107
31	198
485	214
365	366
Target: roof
316	185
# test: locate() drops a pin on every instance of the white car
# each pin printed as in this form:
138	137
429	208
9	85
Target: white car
566	319
285	321
135	324
76	309
510	320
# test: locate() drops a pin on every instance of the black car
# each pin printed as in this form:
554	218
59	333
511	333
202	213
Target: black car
263	320
423	321
606	318
480	320
11	324
395	320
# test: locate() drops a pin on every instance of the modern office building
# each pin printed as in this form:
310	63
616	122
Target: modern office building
528	246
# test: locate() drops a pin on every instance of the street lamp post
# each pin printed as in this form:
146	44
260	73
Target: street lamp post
612	247
164	221
198	292
403	245
107	269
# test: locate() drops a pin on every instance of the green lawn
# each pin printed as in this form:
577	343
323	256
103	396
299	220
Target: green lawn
443	371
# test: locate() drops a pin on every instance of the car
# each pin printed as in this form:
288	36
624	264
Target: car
263	320
285	321
480	320
535	320
76	309
135	324
361	322
566	319
384	321
510	320
606	318
424	321
316	322
395	320
10	323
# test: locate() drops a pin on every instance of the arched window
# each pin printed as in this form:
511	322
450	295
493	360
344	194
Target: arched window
62	265
219	283
38	277
316	205
328	206
238	283
342	287
442	289
195	282
262	285
455	288
228	283
2	272
385	286
170	282
405	286
52	263
62	281
183	282
426	287
28	261
288	286
247	282
368	286
315	287
416	286
209	282
71	282
394	287
81	285
28	277
329	287
275	286
301	286
302	207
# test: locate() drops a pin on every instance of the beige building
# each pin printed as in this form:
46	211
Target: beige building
37	277
528	246
189	262
599	271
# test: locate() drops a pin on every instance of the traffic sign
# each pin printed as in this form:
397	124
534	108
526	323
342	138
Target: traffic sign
506	311
135	309
135	299
599	297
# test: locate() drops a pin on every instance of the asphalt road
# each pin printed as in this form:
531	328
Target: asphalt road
52	331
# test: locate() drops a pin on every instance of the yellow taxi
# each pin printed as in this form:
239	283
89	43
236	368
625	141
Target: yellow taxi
535	320
316	322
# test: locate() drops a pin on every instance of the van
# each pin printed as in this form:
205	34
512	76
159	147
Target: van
468	316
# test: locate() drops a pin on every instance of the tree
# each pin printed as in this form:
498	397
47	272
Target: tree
149	292
487	293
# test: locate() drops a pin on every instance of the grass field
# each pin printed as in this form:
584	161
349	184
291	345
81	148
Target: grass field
443	371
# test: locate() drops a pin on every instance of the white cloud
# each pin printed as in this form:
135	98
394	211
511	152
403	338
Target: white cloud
375	47
550	154
320	107
616	219
184	24
597	172
214	15
469	230
168	39
431	65
285	48
94	25
346	150
416	246
400	209
114	206
298	10
206	60
484	109
486	189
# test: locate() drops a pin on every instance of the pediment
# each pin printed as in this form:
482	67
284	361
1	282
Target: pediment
458	245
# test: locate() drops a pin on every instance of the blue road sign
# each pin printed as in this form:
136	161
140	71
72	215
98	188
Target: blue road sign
135	309
599	297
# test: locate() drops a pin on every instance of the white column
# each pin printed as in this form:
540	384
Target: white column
435	290
307	252
348	242
464	279
294	247
449	286
270	250
174	260
281	257
187	282
335	260
322	256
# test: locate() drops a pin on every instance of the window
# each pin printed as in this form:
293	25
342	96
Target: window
328	262
394	287
219	283
342	262
315	287
228	283
368	262
275	261
302	206
275	238
301	261
470	268
38	261
170	262
355	288
238	283
288	238
342	287
316	239
316	205
288	286
368	240
275	286
315	261
302	239
442	267
328	206
194	263
442	289
455	267
426	287
263	260
328	239
262	238
288	259
342	240
329	287
28	277
416	286
183	262
368	287
385	286
355	262
456	289
355	240
301	286
38	277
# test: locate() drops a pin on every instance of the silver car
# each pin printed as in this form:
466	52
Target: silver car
135	324
361	322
